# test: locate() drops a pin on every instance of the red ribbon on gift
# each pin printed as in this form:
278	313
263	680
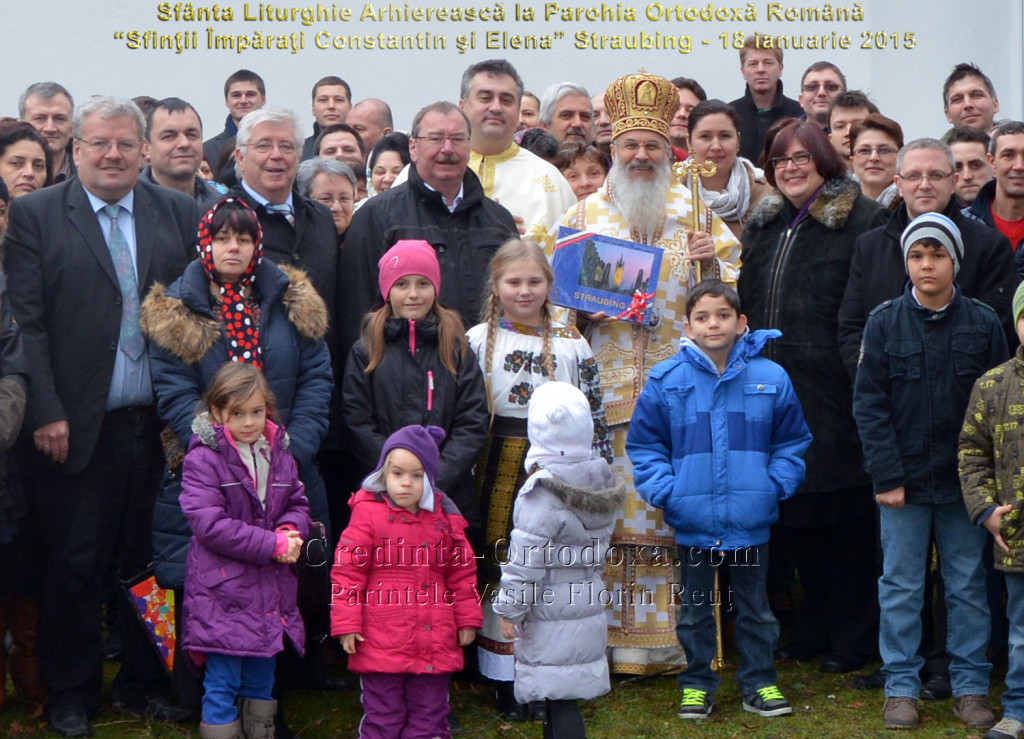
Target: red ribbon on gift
637	307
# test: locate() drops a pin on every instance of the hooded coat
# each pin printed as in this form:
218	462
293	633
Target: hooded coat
188	346
238	600
552	583
407	583
793	280
718	452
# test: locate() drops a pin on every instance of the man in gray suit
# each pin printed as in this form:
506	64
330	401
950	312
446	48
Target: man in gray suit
79	258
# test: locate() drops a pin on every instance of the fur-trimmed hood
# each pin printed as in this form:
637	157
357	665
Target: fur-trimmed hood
589	488
831	208
181	318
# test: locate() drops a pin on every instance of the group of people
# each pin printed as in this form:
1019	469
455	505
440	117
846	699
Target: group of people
207	347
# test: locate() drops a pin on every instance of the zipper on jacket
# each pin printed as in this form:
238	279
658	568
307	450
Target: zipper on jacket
412	336
430	390
780	260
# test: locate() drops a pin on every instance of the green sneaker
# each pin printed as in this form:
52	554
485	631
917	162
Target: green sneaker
767	702
695	704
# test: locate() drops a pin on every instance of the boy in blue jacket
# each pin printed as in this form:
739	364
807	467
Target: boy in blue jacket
716	442
920	356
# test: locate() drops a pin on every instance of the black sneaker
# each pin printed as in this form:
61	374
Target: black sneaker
767	702
695	704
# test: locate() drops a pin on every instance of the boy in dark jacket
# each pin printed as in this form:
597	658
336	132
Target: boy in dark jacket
991	456
716	442
921	354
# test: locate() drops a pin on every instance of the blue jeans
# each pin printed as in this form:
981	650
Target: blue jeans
228	678
757	630
1013	698
906	533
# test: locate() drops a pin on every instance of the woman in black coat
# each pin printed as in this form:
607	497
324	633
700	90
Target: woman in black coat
796	255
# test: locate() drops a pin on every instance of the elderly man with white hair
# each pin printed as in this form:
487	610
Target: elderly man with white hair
297	231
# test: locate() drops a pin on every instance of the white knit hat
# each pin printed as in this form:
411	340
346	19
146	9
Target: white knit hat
559	425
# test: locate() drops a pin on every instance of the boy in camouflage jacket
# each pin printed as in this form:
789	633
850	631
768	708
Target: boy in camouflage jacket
992	478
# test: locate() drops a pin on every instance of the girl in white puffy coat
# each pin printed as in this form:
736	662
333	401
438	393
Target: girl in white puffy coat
552	594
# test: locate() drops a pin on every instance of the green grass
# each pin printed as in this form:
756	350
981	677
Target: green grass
824	706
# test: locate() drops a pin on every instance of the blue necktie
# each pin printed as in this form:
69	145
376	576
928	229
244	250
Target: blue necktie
283	209
130	339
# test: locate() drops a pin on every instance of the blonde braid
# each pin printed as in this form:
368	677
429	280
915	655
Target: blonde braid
492	310
548	356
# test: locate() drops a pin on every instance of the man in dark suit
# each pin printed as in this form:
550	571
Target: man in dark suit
79	258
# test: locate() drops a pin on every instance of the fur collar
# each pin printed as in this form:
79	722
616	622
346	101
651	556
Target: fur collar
204	427
587	500
832	207
189	335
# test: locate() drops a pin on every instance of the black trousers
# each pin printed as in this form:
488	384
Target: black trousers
838	569
88	518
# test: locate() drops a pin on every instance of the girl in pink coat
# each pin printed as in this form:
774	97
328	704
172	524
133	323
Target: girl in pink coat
404	598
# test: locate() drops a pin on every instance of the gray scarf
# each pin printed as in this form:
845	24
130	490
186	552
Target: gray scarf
732	203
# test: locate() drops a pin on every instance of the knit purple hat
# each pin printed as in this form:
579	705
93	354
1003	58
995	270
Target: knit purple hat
408	257
425	443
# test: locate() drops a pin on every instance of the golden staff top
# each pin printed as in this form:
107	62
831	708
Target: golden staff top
693	170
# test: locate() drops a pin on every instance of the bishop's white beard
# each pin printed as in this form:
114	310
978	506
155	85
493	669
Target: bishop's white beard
642	202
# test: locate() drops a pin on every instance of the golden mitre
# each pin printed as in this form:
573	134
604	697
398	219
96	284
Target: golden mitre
641	102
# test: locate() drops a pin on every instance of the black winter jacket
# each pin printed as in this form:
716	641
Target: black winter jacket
398	393
464	241
877	274
793	280
912	390
754	123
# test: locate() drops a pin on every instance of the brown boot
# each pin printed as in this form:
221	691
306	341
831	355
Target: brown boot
221	731
22	661
258	718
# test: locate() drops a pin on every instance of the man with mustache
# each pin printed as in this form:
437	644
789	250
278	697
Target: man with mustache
443	203
642	201
567	114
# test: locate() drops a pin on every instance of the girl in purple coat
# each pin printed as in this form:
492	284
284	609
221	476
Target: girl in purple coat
249	515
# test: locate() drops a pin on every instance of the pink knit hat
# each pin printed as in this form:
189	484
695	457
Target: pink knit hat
408	257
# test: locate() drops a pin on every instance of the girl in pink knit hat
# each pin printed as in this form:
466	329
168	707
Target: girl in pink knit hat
413	366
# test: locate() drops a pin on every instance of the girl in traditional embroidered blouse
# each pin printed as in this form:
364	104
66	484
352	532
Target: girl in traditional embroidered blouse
520	347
